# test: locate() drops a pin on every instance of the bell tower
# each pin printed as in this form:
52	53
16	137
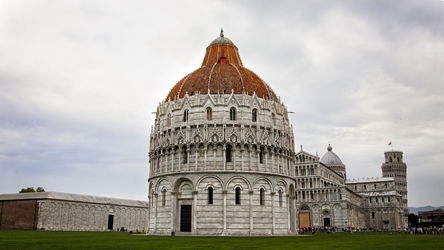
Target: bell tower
395	167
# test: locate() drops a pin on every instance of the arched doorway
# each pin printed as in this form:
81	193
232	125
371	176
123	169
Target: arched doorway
185	205
304	216
326	218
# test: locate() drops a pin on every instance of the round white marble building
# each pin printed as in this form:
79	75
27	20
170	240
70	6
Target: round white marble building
221	153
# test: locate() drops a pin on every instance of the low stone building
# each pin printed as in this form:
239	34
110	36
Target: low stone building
70	212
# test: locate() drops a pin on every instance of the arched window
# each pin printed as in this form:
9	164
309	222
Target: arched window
163	197
262	196
232	114
280	198
273	117
210	195
238	196
254	115
261	156
373	215
169	120
209	114
185	115
185	155
228	153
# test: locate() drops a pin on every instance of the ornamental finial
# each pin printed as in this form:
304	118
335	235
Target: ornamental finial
221	32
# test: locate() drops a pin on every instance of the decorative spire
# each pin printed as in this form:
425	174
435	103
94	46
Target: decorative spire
221	32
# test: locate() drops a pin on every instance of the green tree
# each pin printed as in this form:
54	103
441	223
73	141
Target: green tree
27	190
31	190
439	218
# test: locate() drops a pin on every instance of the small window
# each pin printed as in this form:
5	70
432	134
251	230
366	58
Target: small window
209	114
273	117
370	200
280	198
210	195
388	199
254	115
373	215
382	199
185	155
375	186
238	194
356	187
163	197
169	120
376	199
228	153
262	196
365	187
261	156
232	114
185	115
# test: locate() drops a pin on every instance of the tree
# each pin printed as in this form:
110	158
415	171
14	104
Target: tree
439	218
27	190
31	190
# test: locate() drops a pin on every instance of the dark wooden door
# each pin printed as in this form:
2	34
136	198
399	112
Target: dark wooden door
185	218
110	221
326	222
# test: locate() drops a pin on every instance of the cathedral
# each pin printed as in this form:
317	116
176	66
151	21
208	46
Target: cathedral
223	162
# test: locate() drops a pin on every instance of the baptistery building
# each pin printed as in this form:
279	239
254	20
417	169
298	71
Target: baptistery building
223	162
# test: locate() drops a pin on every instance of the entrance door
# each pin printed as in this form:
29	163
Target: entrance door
304	219
326	222
110	221
185	218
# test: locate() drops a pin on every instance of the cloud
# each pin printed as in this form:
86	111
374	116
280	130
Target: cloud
80	79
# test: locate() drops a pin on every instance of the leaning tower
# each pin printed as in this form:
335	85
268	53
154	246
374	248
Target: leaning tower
395	167
221	153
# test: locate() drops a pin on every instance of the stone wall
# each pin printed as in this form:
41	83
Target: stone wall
223	216
79	216
18	214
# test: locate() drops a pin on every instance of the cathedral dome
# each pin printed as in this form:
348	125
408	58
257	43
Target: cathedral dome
330	158
221	72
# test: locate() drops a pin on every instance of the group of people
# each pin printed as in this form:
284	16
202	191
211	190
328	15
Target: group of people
425	230
413	230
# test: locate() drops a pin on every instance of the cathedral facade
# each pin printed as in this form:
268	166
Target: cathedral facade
223	162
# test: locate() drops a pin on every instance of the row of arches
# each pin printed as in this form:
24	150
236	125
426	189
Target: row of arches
234	204
60	215
228	156
209	115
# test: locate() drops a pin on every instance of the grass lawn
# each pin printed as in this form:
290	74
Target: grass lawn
12	239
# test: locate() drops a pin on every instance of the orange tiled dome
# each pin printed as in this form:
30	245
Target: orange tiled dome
221	72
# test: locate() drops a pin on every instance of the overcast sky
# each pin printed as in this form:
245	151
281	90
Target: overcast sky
79	81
